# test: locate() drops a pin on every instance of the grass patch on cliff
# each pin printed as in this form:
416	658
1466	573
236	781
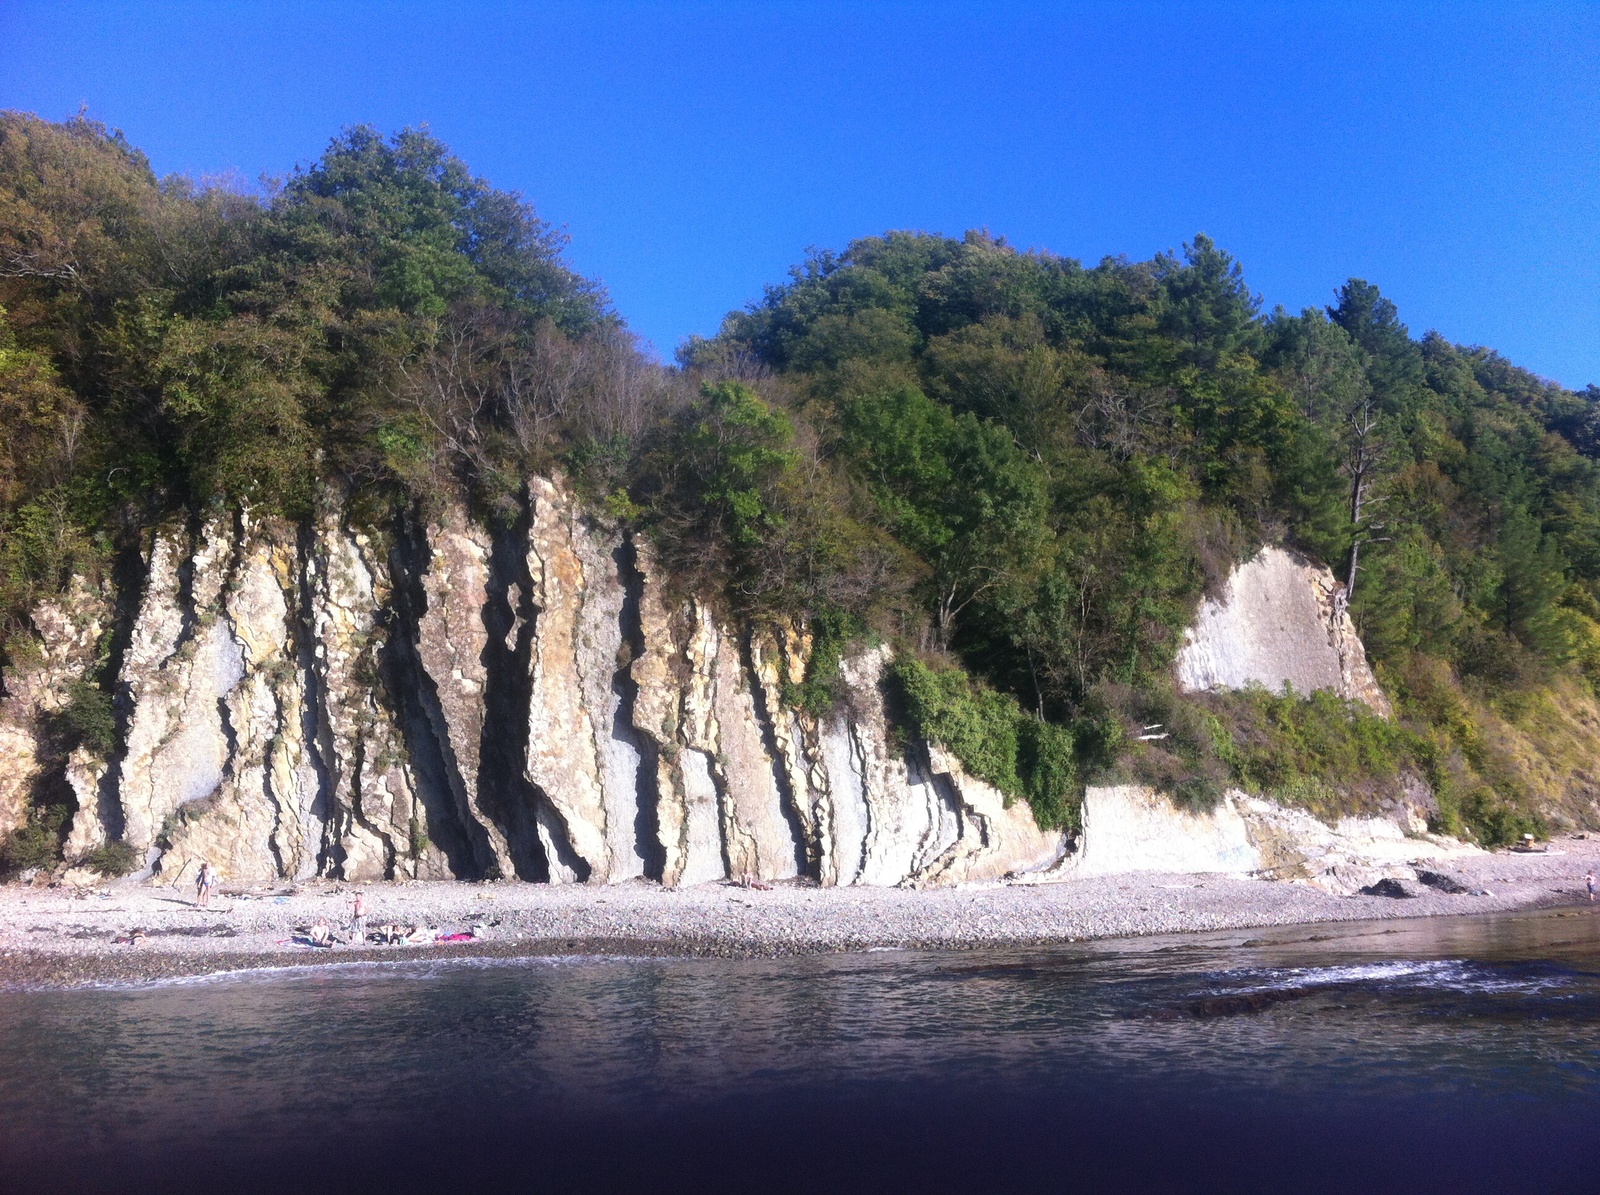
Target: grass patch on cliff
1329	755
182	817
1502	762
995	739
1335	757
1324	754
832	630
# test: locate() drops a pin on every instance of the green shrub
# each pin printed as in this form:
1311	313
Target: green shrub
1284	739
1320	752
114	859
995	739
419	843
89	715
832	629
1491	820
35	843
1047	764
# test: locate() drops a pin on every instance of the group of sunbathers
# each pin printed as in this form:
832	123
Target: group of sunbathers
321	934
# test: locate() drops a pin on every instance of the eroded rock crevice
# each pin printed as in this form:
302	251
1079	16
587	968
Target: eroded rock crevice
451	824
299	834
625	688
509	620
129	571
790	803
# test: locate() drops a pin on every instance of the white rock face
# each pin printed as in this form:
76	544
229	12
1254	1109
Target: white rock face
1280	621
451	642
360	815
459	700
183	663
990	840
1344	858
914	818
1129	829
604	651
241	832
720	724
582	754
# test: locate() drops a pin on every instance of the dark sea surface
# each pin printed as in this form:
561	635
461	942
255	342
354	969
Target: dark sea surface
1437	1055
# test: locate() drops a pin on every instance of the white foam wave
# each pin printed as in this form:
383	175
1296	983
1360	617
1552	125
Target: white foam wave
419	968
1454	975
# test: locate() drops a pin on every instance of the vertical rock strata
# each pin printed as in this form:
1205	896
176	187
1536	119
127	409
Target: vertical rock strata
462	701
247	809
356	812
451	642
778	658
719	726
183	663
687	809
577	604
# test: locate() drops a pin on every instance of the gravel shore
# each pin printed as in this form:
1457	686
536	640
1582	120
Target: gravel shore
61	937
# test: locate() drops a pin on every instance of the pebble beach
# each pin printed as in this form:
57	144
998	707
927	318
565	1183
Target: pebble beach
130	932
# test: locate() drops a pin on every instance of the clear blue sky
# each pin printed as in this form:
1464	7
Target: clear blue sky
1449	154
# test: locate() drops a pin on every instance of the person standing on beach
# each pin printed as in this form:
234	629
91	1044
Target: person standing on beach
202	887
358	919
1589	880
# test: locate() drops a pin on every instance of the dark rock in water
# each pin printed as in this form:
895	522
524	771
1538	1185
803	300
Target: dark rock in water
1231	1005
1444	883
1390	888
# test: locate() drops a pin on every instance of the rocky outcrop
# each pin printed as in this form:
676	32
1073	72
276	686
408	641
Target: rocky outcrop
524	700
251	815
450	699
584	754
183	663
1130	828
1280	621
38	688
259	737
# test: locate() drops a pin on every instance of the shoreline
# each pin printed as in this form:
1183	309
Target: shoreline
62	938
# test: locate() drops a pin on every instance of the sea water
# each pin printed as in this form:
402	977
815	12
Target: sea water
1445	1054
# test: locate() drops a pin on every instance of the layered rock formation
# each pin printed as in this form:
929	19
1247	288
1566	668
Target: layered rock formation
450	701
1281	620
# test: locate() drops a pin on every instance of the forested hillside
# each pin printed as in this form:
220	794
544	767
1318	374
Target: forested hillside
1020	471
1068	456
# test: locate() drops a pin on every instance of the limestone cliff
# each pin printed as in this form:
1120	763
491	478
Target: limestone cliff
450	700
1280	620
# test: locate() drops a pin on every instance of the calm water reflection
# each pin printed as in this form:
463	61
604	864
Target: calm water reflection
1460	1054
